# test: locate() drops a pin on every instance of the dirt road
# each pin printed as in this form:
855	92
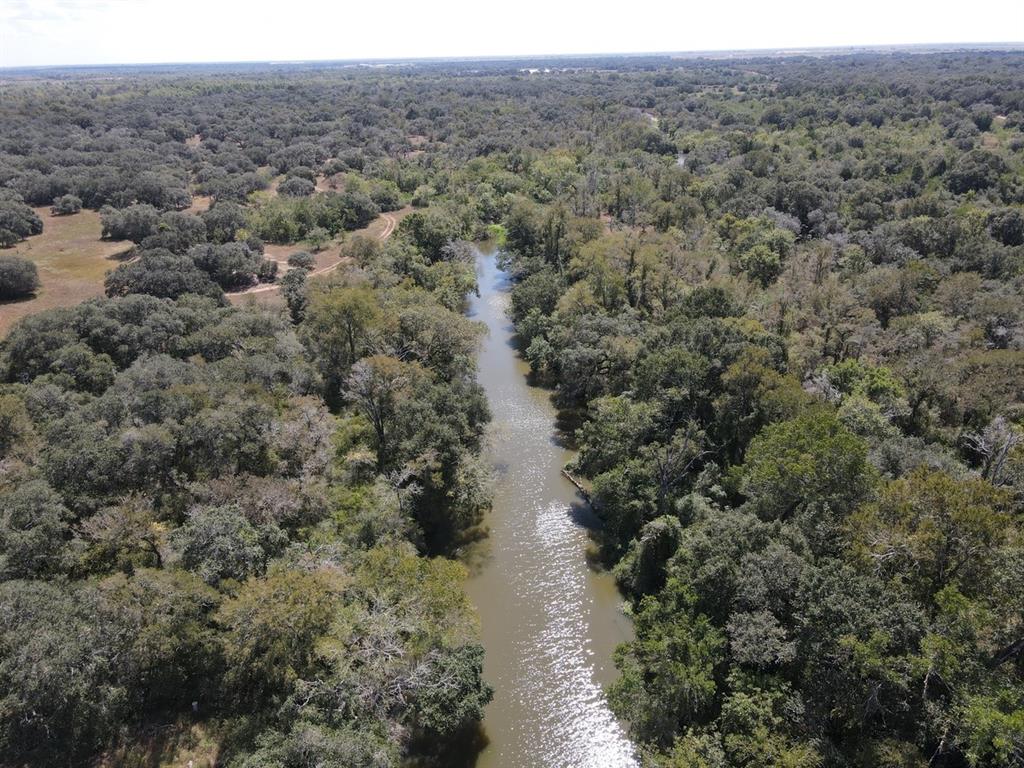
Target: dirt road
390	222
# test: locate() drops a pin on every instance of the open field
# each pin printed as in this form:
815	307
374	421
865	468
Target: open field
72	261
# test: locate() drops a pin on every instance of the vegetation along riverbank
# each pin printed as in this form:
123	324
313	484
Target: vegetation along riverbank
777	301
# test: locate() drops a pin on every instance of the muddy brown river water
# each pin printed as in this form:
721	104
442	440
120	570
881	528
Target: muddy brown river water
549	622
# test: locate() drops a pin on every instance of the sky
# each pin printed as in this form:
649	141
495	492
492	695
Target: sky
61	32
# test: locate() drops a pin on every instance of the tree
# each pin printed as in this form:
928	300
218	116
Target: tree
302	259
19	278
643	569
124	536
223	221
761	264
337	327
232	265
267	270
15	426
219	543
162	274
976	170
17	220
811	470
616	429
674	460
295	291
135	223
33	531
55	673
177	232
295	186
272	626
668	679
65	205
431	230
376	386
449	691
931	531
77	662
318	238
995	446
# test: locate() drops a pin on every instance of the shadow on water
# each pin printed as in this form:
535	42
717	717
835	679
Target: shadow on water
581	513
461	751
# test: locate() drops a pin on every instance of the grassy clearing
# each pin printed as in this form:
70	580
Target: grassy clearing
72	262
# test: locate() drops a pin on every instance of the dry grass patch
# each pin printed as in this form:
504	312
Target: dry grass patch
200	203
327	183
72	262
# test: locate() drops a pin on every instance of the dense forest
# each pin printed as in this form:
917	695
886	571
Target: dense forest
778	302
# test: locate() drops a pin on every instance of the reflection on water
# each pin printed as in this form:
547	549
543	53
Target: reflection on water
549	623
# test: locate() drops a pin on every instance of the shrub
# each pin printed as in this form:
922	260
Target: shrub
18	277
17	221
296	187
302	260
65	205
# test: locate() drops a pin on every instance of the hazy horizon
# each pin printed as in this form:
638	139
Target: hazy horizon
997	45
41	33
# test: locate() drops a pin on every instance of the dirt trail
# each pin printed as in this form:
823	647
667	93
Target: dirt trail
390	222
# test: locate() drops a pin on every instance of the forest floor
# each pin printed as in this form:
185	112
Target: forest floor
172	745
72	262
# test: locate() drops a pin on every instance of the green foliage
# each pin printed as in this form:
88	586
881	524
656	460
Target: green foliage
76	663
643	569
33	531
232	266
930	531
449	691
810	469
755	286
288	219
295	291
668	671
17	220
271	629
65	205
431	231
219	543
162	476
162	274
337	328
19	278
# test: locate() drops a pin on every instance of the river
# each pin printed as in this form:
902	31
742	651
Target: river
549	622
